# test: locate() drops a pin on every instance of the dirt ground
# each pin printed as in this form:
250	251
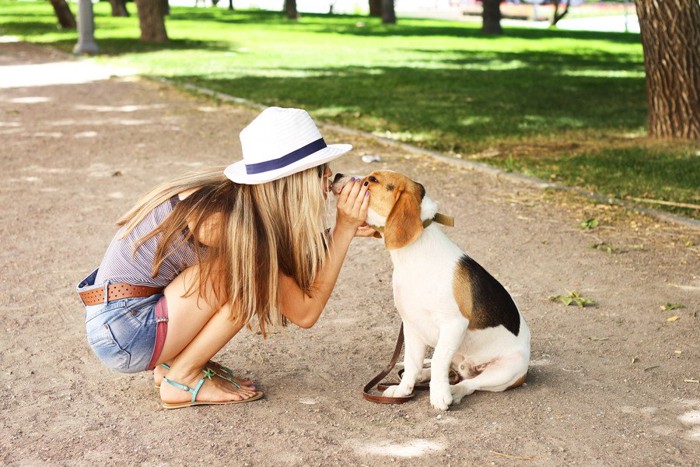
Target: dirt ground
611	384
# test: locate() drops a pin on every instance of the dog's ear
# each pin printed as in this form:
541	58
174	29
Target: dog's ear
403	224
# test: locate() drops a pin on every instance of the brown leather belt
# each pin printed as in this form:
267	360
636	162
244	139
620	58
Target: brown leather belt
116	292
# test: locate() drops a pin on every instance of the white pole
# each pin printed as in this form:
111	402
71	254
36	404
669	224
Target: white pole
86	29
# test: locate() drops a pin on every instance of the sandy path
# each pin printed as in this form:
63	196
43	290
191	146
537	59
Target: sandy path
614	384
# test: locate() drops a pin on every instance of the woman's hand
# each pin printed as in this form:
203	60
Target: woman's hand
353	203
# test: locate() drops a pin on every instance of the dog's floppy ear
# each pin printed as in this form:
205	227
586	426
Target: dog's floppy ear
403	224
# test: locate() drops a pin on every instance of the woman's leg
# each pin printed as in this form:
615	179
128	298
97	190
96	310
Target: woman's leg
196	332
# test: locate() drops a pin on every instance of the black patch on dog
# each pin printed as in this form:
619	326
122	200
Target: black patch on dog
492	305
390	187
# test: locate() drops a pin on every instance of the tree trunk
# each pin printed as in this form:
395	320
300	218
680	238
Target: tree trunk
388	12
290	9
670	31
63	14
491	17
119	8
230	5
375	8
557	16
152	20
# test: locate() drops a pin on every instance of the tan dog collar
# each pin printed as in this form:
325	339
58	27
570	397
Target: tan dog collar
439	218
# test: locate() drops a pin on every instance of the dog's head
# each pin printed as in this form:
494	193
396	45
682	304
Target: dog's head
397	206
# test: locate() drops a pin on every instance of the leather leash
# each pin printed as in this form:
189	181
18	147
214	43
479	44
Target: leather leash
454	378
375	381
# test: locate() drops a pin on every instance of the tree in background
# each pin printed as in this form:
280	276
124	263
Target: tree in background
556	16
152	20
670	31
290	9
65	17
388	12
491	17
119	8
375	8
384	9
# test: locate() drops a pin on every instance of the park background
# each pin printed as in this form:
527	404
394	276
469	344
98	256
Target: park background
473	116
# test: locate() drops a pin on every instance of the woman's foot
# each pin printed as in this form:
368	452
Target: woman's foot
221	371
213	390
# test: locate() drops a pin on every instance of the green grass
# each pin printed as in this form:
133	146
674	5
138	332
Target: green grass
558	104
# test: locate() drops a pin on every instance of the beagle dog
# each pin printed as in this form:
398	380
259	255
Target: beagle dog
446	300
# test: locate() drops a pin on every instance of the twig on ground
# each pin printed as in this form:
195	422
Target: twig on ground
665	203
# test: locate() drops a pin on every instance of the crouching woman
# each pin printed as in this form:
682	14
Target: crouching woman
202	256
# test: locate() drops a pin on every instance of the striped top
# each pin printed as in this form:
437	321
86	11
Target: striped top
120	264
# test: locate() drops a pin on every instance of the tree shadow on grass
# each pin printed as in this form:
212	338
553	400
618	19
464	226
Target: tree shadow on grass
366	26
458	111
111	46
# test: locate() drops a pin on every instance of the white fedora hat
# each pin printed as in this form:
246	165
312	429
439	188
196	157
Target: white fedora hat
281	142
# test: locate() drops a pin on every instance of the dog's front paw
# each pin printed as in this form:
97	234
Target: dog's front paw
440	396
399	390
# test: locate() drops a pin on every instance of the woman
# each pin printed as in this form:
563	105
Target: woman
202	256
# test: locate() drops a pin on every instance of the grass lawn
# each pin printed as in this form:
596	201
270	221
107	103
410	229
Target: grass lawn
562	105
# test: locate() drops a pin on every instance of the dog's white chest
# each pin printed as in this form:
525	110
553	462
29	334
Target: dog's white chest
423	281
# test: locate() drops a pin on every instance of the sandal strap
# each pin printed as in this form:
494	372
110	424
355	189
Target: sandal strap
213	365
225	376
215	369
182	387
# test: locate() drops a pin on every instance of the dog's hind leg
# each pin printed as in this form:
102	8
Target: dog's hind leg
414	354
501	374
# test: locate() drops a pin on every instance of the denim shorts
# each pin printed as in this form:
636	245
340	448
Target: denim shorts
122	333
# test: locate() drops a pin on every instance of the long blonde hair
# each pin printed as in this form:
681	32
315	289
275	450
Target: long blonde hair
266	229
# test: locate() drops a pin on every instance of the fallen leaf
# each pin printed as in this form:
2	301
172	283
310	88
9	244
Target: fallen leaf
672	306
672	319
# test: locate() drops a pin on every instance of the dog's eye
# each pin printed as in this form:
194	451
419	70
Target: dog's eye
373	180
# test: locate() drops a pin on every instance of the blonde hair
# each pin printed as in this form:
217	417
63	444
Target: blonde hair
266	229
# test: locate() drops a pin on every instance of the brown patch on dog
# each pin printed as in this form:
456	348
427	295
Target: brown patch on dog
398	198
462	289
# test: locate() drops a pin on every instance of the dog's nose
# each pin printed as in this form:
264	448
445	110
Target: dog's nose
337	177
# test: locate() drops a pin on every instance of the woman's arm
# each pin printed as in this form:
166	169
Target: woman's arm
302	309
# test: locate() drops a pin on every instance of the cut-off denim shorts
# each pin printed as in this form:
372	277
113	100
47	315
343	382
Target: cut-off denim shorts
123	332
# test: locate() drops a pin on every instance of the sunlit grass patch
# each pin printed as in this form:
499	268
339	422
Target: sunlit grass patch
568	106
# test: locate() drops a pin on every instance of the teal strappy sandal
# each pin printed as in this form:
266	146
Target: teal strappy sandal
218	370
195	391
